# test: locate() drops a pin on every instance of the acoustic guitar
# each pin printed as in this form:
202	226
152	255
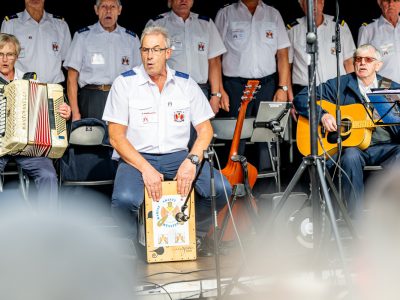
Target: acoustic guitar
233	171
356	129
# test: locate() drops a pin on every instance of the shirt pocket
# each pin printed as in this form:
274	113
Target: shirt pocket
143	115
238	34
268	33
178	114
95	59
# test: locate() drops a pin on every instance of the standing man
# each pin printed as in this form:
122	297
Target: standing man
326	63
44	38
41	169
98	54
384	34
257	43
197	49
384	148
149	111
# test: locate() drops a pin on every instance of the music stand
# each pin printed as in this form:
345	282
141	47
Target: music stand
269	126
385	107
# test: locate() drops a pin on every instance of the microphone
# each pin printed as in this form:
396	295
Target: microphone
181	217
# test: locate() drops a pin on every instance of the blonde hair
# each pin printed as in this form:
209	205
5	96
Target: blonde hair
9	38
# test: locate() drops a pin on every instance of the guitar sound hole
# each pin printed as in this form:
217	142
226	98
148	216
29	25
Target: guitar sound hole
345	132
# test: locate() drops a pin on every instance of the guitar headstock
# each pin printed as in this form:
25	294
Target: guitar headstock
250	90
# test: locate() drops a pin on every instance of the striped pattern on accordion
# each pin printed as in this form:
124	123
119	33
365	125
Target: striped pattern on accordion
29	122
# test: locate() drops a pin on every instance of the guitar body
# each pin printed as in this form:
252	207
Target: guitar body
233	171
356	130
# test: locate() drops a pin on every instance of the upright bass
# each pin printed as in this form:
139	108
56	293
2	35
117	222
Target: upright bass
233	171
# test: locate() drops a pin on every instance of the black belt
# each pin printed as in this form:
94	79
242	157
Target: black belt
101	87
262	80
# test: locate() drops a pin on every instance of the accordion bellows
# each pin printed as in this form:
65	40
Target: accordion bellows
30	124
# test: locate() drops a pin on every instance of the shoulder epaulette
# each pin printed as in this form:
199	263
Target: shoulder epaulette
205	18
58	17
130	32
158	17
292	24
367	23
181	74
8	18
341	21
83	29
128	73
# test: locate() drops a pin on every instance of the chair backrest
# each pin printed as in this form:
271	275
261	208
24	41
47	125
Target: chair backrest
87	160
224	128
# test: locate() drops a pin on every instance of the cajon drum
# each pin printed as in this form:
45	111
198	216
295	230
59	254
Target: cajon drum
163	236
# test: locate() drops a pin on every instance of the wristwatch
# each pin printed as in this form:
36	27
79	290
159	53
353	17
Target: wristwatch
218	94
283	87
194	159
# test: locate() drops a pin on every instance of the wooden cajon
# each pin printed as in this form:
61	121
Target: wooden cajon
164	238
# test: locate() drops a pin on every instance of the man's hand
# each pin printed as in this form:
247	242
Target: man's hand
152	181
185	177
215	104
280	96
329	122
224	102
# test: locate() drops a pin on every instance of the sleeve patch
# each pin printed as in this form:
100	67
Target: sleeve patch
205	18
181	74
128	73
83	29
130	32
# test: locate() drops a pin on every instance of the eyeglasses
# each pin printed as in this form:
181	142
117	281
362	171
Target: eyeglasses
8	55
108	7
367	59
155	50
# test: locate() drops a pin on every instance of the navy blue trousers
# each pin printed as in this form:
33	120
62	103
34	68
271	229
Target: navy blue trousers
42	170
128	193
353	161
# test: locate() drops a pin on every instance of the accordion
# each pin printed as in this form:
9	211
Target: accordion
29	121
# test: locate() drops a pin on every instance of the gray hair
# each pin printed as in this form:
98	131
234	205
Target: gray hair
98	2
367	47
157	30
9	38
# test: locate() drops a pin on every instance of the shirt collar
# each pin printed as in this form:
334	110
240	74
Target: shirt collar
99	28
367	89
26	16
260	3
177	18
382	20
145	78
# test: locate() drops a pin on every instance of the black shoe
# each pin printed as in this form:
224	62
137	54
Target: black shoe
204	247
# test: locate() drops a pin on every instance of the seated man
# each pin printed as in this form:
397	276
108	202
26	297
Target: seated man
41	169
149	111
354	87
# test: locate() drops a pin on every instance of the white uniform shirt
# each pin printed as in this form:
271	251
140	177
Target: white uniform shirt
157	122
386	38
100	56
194	42
44	45
326	58
251	40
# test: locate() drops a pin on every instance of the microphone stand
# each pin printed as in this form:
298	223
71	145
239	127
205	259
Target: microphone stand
338	49
208	155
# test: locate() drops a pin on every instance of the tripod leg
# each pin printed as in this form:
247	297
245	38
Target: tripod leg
275	212
332	218
342	207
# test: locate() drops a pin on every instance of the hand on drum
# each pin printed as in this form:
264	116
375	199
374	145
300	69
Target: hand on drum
185	177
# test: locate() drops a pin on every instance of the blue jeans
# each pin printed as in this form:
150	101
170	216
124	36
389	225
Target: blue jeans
42	170
353	162
128	193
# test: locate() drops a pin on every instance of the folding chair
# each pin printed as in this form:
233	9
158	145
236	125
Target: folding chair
87	160
13	169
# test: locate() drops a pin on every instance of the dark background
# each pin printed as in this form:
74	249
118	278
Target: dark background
80	13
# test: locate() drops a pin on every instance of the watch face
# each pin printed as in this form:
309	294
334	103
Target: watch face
194	159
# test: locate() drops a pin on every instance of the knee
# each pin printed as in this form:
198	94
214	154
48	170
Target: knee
47	175
126	199
352	157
